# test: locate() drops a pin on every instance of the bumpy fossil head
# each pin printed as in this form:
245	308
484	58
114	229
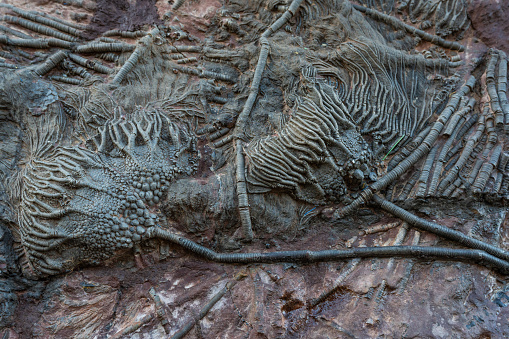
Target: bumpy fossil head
318	153
80	204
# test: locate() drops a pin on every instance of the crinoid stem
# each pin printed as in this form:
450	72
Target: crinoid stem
223	141
406	151
410	29
53	42
459	139
187	60
423	179
504	158
346	271
439	165
96	66
161	314
218	134
15	32
245	217
498	183
28	43
440	230
177	4
134	327
98	47
245	214
90	5
76	69
400	237
45	20
66	80
465	154
218	99
491	142
125	34
106	39
176	56
287	15
451	126
50	63
62	21
255	85
485	172
419	152
502	87
470	255
39	28
505	183
492	88
135	56
409	186
108	57
208	306
408	270
189	49
11	66
202	73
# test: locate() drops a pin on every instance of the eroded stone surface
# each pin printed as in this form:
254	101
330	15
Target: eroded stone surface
421	299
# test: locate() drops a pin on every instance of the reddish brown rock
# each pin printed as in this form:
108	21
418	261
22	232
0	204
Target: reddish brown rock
408	298
489	21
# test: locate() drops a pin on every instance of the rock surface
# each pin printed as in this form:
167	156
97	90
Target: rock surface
153	292
413	299
489	22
